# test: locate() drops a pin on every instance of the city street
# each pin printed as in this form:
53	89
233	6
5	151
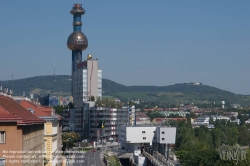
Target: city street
93	158
88	159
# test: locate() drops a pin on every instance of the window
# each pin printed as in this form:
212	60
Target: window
2	161
154	131
163	132
154	137
2	137
163	139
144	137
143	132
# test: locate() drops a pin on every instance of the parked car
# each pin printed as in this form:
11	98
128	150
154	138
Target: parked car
94	150
98	148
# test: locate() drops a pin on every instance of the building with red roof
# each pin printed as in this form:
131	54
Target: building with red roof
20	132
52	132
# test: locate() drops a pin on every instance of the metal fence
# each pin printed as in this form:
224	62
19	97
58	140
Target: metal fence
157	159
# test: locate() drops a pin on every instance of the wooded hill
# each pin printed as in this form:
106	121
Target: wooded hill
173	94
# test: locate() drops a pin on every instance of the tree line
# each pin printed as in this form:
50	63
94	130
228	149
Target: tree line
203	147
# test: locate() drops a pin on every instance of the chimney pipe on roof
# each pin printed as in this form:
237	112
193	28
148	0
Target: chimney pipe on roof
23	94
1	88
31	96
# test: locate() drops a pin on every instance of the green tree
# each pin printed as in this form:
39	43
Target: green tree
211	121
232	135
154	114
92	98
71	105
58	110
244	135
216	137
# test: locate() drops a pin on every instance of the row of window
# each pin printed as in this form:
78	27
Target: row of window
154	138
153	131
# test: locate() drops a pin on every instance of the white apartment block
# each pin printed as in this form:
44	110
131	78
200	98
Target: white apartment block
132	138
87	81
204	120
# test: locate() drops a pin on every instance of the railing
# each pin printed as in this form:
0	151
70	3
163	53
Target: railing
157	159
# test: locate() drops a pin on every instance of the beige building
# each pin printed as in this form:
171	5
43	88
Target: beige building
21	135
52	131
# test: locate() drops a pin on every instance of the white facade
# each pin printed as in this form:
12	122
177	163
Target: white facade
220	118
100	83
204	120
247	121
165	135
146	134
87	82
131	139
140	134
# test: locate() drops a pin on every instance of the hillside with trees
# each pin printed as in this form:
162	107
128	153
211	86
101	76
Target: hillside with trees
184	93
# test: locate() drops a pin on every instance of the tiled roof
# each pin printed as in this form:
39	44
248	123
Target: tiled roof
11	110
176	119
39	110
5	115
158	119
27	105
47	110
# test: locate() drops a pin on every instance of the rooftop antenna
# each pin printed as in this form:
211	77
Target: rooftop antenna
12	84
54	65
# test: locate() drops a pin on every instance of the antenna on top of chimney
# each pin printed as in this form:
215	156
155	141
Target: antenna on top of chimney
12	89
54	65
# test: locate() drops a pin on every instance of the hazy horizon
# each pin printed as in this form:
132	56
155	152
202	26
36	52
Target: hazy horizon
125	84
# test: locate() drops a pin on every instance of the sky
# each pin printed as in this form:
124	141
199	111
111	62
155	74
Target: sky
142	42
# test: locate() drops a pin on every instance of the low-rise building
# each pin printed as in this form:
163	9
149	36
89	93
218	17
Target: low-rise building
135	138
159	121
204	120
142	118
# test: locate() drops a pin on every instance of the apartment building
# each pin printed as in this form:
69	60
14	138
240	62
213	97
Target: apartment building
52	131
89	121
21	132
104	122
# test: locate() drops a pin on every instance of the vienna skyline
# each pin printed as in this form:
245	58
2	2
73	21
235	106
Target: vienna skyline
138	43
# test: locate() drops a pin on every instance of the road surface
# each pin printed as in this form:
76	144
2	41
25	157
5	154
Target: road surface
88	159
